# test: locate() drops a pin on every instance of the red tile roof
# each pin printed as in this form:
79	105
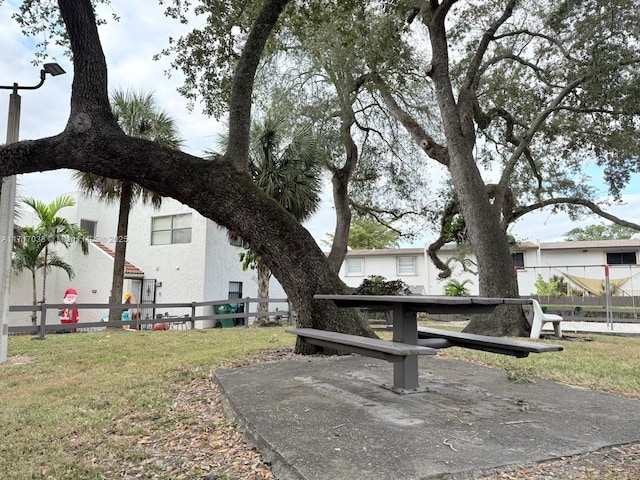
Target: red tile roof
129	268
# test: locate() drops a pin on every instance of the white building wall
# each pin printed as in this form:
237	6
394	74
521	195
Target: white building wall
21	294
385	263
588	260
556	262
223	266
583	259
179	268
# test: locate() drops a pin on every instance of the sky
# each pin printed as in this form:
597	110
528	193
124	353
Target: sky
129	46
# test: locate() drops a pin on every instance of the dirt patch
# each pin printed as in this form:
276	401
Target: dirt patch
15	360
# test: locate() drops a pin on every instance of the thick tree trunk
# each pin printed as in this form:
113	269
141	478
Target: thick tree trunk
496	274
264	275
343	219
120	249
340	179
34	314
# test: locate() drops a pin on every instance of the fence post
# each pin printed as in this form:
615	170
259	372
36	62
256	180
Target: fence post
290	316
43	321
246	312
193	314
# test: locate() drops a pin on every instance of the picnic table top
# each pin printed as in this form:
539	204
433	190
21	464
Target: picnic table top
429	303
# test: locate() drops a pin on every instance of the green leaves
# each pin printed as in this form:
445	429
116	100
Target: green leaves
455	288
53	229
366	234
285	165
41	19
598	232
379	285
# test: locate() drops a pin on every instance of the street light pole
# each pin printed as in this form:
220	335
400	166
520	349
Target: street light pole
7	204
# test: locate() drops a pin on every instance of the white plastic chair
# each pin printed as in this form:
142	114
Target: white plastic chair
537	318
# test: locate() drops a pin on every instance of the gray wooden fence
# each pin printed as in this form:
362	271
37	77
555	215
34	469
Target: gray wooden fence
241	315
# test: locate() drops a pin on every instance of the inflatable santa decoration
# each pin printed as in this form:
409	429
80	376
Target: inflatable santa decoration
69	315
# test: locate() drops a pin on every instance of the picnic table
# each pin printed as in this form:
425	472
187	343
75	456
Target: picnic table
409	341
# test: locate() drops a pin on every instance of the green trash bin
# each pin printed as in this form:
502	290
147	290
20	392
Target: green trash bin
221	310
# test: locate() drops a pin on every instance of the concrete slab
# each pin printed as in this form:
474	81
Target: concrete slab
319	418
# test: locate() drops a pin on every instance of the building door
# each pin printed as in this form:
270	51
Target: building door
148	296
235	291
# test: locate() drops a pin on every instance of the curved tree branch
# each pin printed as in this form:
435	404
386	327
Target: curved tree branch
551	40
242	88
471	78
451	210
428	144
542	117
525	141
573	201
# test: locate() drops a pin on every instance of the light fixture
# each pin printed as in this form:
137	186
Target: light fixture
53	69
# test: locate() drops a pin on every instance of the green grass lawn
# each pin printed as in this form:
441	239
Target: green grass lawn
63	400
60	410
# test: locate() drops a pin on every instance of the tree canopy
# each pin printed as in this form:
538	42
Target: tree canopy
220	189
528	92
599	231
366	234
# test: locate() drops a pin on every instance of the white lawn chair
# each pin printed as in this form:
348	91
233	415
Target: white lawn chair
537	318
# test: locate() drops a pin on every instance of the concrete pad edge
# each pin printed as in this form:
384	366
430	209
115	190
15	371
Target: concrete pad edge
282	469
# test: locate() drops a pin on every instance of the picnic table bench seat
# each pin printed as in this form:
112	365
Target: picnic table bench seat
370	347
434	337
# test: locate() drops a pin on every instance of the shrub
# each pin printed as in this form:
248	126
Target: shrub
378	285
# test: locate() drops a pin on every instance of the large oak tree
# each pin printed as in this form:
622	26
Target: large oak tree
535	94
219	189
531	92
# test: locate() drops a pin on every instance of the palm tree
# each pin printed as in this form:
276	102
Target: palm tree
139	116
52	230
28	255
454	288
287	168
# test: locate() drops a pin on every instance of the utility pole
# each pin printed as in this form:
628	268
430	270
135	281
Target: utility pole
7	204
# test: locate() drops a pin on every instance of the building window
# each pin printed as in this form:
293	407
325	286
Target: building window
621	258
406	266
171	229
235	241
235	289
354	267
518	259
89	226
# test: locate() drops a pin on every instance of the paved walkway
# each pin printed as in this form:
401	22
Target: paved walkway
599	327
317	418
